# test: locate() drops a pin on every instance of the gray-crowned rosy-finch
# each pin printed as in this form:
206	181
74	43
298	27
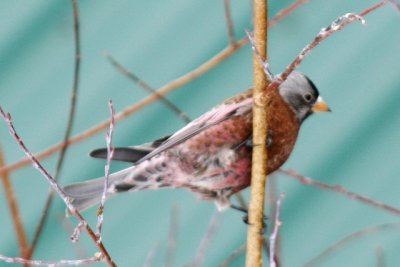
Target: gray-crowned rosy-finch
211	156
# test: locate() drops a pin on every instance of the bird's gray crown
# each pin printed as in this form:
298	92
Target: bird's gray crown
300	93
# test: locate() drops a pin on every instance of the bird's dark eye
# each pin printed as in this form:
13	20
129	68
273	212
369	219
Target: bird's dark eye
308	97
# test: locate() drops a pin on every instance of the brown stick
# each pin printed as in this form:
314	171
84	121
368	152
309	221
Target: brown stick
229	23
341	190
172	237
71	117
380	257
14	210
206	240
131	76
285	12
259	157
347	239
55	186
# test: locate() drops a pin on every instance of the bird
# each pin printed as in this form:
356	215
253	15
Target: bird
210	156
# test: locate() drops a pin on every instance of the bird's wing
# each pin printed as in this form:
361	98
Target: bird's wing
207	120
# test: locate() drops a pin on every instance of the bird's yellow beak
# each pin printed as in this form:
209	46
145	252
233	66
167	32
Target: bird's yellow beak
320	106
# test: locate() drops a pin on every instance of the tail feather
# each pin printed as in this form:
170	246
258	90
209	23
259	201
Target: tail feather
86	194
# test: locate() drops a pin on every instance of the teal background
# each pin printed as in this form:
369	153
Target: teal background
356	146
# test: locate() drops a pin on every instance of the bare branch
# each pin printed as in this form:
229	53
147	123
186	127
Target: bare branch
151	255
352	237
229	23
395	4
285	12
324	33
260	127
147	87
68	226
77	232
14	210
236	254
380	259
205	242
341	190
262	62
275	232
172	236
96	258
53	183
67	134
110	154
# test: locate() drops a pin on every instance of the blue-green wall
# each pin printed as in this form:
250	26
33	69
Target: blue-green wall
357	145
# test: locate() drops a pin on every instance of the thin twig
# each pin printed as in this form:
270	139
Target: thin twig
275	232
259	155
151	255
261	61
167	88
233	256
395	4
68	130
324	33
229	23
53	183
341	190
124	71
272	200
205	242
352	237
172	237
80	250
239	251
110	154
96	258
14	210
380	259
285	12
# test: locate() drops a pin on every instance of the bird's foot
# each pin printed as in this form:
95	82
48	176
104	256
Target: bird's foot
245	218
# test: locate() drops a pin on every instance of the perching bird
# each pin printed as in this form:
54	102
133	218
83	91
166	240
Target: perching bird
211	156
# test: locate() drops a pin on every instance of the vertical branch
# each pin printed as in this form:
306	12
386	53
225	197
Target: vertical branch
259	158
13	206
172	237
275	232
68	130
229	23
110	154
206	241
380	260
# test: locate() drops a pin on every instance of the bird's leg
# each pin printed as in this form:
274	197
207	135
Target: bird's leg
246	217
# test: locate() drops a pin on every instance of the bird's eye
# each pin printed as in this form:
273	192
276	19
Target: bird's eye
308	97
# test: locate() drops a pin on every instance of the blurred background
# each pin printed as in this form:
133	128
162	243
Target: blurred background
356	146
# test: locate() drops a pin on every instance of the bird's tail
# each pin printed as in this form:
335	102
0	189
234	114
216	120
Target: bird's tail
86	194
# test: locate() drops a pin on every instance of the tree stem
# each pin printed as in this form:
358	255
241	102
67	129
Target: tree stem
259	158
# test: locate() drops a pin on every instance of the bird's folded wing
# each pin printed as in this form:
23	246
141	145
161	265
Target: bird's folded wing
207	120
